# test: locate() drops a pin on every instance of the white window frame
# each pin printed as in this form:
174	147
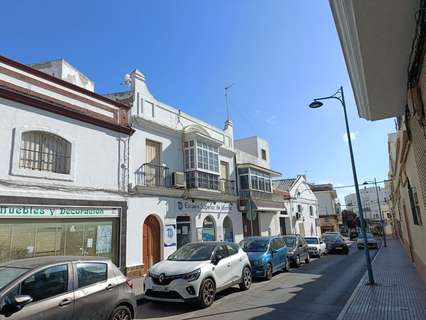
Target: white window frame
195	147
265	176
25	172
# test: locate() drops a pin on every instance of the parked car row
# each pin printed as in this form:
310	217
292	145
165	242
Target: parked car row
94	288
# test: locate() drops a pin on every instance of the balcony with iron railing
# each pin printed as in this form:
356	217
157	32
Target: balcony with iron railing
149	177
152	175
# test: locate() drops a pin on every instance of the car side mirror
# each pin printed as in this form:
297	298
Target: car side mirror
273	251
23	300
18	303
216	259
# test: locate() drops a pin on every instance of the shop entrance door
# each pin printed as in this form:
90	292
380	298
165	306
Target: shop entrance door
183	230
247	224
283	227
151	242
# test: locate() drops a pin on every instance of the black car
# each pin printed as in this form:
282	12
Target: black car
335	244
353	235
297	249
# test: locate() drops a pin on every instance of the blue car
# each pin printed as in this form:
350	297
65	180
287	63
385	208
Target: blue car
266	254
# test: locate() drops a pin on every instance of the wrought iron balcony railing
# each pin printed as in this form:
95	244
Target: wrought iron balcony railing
152	175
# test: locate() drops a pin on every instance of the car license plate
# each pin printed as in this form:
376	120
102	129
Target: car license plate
339	248
160	288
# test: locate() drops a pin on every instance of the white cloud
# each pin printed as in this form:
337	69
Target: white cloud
272	120
354	135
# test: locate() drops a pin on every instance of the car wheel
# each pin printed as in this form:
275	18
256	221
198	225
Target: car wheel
287	265
207	293
245	283
269	272
121	313
297	262
308	259
346	251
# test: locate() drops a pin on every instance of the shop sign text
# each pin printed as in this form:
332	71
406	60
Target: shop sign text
55	212
199	206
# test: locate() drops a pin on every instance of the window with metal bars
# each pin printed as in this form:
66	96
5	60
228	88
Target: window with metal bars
44	151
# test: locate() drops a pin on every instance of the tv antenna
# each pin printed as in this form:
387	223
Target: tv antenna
226	99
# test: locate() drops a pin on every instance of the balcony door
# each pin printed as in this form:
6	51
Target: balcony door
153	173
224	176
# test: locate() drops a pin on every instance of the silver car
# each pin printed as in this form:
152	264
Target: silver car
372	242
65	288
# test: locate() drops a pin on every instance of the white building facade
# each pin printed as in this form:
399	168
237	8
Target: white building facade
259	206
182	178
62	177
302	206
328	207
370	206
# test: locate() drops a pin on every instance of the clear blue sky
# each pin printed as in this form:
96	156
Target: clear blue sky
280	54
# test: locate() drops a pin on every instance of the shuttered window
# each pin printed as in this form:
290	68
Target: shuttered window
44	151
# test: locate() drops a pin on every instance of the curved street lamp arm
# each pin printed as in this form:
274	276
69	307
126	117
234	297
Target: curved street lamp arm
338	95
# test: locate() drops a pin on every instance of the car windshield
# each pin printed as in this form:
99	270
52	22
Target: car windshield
290	241
331	238
255	245
312	240
8	274
193	252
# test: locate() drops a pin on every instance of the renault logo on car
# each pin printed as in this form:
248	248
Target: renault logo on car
161	277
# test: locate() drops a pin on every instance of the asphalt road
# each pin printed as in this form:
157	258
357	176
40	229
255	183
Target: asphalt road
314	291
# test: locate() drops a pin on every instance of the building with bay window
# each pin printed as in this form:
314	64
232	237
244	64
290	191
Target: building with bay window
182	178
62	177
259	206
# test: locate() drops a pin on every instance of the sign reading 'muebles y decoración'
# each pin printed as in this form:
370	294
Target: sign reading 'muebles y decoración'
11	211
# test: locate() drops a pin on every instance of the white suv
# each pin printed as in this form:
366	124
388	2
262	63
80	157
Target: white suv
197	271
316	246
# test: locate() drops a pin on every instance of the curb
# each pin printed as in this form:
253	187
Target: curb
352	297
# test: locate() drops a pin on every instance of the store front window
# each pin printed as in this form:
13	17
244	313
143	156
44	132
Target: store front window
209	229
28	238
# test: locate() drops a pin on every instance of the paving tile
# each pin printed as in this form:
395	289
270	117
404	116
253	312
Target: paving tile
399	294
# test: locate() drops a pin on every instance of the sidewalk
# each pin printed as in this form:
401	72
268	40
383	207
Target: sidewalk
399	293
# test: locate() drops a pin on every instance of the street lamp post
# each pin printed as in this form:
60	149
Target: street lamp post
382	221
339	95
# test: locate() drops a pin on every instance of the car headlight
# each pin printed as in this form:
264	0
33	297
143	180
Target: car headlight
150	274
258	262
192	276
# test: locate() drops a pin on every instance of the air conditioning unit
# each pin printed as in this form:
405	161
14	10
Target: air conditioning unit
178	179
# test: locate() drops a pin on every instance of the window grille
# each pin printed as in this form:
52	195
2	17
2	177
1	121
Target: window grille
43	151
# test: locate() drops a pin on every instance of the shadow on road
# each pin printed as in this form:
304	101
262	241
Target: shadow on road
322	295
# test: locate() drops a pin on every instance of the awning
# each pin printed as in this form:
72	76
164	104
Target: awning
267	205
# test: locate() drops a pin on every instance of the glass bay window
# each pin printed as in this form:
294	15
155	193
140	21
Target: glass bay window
254	180
201	165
